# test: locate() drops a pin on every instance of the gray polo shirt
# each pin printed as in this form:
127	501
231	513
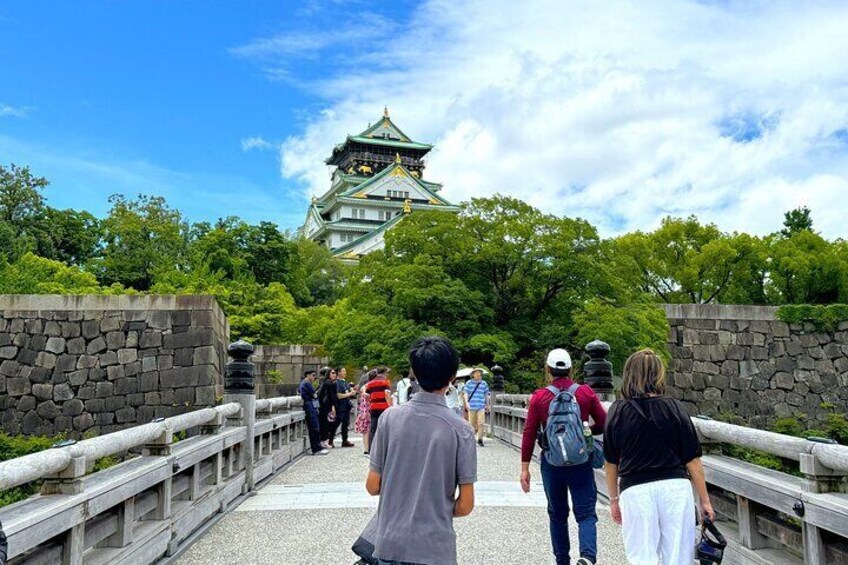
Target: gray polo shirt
423	451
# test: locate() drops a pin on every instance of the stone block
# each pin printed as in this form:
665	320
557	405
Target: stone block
737	352
9	368
145	414
758	383
71	330
165	362
776	349
759	353
805	363
27	357
110	324
782	410
38	342
701	352
204	396
150	338
95	406
127	356
90	329
149	381
206	355
104	389
62	392
30	423
42	391
698	381
132	339
794	399
108	358
184	396
27	403
8	352
95	346
126	386
740	383
825	366
46	360
159	319
40	375
152	398
167	396
832	351
52	329
35	326
135	399
183	357
115	372
779	329
96	374
148	364
712	393
682	380
66	363
73	407
783	380
16	326
48	410
720	382
726	338
115	340
745	339
132	369
75	346
708	338
113	403
730	368
816	352
83	422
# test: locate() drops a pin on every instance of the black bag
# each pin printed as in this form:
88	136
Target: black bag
710	550
364	549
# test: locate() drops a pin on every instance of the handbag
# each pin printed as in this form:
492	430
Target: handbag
597	456
710	549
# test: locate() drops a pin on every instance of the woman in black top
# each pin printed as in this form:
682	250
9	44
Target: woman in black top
653	459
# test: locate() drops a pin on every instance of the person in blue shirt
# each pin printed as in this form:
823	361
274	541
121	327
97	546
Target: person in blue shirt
310	406
477	402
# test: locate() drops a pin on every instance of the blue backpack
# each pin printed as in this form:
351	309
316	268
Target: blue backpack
566	444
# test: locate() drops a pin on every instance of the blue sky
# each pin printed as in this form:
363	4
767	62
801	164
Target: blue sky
619	112
153	97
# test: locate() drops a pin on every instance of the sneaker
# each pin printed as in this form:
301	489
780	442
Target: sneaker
480	443
366	453
584	561
322	452
347	444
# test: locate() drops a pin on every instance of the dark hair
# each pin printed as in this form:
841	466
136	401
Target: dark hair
372	374
558	373
434	361
309	372
325	371
382	370
338	369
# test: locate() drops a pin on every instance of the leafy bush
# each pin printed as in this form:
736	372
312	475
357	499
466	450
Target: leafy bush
823	317
18	446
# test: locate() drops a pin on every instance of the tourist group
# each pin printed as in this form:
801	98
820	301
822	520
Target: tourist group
423	456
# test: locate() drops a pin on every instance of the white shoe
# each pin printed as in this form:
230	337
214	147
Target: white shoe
322	452
583	561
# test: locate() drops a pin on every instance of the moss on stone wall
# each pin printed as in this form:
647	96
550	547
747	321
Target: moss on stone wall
825	318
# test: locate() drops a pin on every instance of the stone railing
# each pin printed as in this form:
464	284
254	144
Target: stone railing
151	505
768	516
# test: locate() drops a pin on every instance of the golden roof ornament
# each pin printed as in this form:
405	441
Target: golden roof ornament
314	199
407	206
385	111
397	158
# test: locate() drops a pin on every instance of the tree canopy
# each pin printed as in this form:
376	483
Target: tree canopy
503	280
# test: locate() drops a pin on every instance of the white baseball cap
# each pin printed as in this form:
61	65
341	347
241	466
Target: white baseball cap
559	359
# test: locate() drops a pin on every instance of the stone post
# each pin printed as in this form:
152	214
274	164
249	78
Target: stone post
238	387
598	371
497	390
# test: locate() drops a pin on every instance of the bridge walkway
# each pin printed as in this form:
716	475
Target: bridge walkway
313	511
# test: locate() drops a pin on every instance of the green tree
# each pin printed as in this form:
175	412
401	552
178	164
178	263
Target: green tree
36	275
681	261
807	269
796	221
142	237
21	206
69	236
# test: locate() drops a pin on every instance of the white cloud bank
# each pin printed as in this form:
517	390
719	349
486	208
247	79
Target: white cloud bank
619	112
256	142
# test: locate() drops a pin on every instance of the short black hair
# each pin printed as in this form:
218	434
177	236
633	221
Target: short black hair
559	373
382	370
434	360
309	372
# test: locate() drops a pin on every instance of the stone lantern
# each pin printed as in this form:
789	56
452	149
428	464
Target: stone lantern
238	377
497	378
597	370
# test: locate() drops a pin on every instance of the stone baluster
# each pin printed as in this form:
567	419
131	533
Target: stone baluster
239	388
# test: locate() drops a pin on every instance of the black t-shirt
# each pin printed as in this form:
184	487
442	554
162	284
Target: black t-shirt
653	445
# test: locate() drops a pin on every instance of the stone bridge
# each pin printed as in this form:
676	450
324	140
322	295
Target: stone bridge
238	490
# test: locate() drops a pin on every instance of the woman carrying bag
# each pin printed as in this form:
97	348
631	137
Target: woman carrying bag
653	459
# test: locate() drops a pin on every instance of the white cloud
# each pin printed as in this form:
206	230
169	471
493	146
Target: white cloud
619	112
13	111
256	142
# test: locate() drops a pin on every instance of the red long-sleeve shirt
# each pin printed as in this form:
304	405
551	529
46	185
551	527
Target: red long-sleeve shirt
540	402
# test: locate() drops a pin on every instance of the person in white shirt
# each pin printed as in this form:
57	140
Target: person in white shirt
452	398
403	387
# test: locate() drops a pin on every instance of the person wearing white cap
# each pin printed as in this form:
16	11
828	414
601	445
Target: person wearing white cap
559	481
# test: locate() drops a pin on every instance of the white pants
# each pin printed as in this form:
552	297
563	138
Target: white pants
658	520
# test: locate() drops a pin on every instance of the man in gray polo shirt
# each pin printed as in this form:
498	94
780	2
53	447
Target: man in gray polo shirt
424	451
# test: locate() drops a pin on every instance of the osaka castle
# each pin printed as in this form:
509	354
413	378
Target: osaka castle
377	178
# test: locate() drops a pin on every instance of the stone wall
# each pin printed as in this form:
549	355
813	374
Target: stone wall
290	361
93	364
742	361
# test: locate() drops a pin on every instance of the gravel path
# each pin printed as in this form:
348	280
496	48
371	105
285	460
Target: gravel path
511	529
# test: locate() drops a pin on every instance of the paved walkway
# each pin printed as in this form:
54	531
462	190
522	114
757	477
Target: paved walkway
313	511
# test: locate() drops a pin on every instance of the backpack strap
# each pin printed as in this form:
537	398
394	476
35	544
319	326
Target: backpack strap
573	389
554	390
